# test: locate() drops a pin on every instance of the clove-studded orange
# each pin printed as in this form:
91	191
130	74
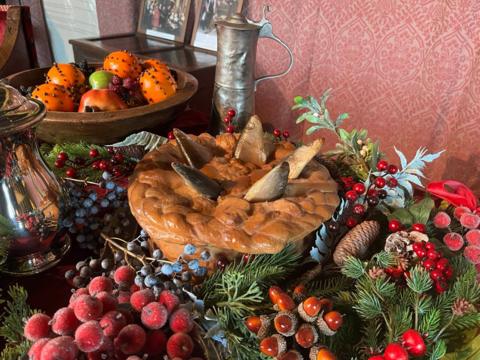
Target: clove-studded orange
157	85
123	64
67	75
55	97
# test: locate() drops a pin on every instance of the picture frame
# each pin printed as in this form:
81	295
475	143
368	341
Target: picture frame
206	13
164	19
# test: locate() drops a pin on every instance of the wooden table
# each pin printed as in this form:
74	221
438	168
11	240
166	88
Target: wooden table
200	63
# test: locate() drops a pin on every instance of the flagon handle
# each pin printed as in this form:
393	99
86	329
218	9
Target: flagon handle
267	32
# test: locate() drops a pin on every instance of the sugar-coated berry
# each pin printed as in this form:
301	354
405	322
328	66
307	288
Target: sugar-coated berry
87	308
154	315
359	188
351	222
168	299
442	220
419	227
140	298
181	320
71	172
156	343
382	165
89	336
473	237
123	297
454	241
180	345
109	302
124	275
392	169
64	321
76	295
93	153
351	195
470	220
37	327
231	113
131	339
380	182
394	225
60	348
36	349
100	283
112	322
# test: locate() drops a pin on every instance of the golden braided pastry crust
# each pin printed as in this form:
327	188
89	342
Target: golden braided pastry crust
173	214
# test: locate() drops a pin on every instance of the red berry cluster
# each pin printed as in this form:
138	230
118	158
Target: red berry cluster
412	343
228	121
113	320
302	323
114	163
438	266
395	225
279	133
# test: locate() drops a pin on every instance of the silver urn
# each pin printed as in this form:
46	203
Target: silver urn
31	198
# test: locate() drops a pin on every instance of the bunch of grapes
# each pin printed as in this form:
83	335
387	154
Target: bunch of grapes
128	89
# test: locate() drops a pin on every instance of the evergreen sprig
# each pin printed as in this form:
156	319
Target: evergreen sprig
353	268
16	311
419	280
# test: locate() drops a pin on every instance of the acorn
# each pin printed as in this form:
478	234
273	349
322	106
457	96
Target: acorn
285	302
306	336
274	293
290	355
299	293
273	345
285	323
309	308
329	322
259	325
321	353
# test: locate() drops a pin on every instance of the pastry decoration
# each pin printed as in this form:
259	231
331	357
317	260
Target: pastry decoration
236	193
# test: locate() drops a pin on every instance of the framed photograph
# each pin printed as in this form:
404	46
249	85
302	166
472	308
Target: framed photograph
165	19
206	13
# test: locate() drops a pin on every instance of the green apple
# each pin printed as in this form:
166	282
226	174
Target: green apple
100	79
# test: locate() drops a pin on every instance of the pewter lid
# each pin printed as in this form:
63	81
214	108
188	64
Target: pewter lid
18	113
237	21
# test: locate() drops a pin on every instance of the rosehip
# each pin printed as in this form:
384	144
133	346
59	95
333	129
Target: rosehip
419	227
351	195
359	188
392	169
382	165
380	182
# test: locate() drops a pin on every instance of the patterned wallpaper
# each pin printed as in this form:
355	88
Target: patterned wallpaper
408	70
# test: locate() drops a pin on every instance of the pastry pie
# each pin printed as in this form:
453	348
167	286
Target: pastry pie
231	194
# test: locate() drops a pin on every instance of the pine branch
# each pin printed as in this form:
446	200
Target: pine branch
368	305
419	280
439	350
430	323
329	287
384	259
353	268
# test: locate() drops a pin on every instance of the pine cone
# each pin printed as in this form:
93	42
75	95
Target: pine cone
356	242
461	306
376	273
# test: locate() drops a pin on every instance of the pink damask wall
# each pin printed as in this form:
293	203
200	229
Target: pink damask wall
408	70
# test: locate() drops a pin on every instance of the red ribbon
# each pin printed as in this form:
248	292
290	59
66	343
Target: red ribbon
454	192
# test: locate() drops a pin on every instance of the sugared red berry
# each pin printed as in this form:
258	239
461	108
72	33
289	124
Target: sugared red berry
100	283
109	302
124	275
89	336
382	165
112	322
87	308
154	315
156	343
380	182
36	349
442	220
181	320
359	188
60	348
37	327
131	339
140	298
64	321
180	345
168	299
453	240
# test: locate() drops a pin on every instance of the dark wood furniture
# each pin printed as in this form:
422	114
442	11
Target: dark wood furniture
199	63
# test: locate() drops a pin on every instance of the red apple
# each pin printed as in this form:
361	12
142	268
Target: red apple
101	100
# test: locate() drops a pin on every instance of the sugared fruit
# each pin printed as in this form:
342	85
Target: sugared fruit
140	298
168	299
60	348
181	320
36	349
87	308
130	339
156	343
100	283
124	275
37	327
89	336
154	315
64	321
112	322
180	345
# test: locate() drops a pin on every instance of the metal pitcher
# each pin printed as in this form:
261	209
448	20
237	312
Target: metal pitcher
31	199
235	81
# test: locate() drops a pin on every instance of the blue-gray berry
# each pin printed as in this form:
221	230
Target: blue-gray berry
157	254
177	267
200	271
205	255
167	269
189	249
193	264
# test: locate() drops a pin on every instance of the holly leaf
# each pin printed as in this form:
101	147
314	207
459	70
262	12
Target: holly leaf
402	215
422	209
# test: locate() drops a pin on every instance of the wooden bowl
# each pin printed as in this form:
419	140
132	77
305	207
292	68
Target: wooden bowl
110	126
